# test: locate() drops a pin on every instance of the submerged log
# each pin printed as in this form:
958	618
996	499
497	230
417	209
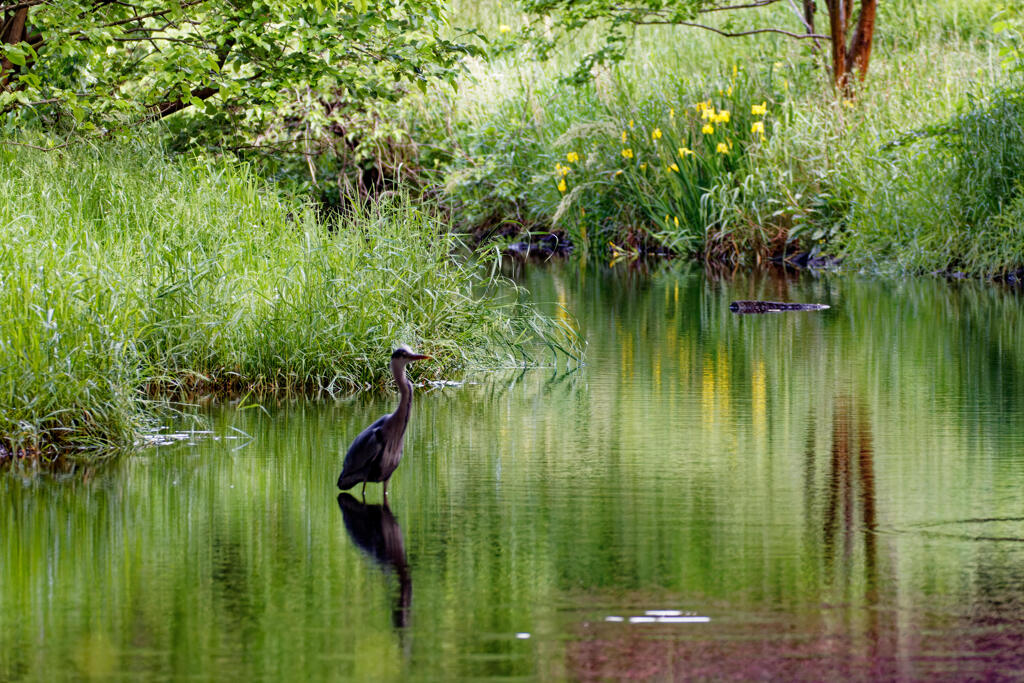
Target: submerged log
772	307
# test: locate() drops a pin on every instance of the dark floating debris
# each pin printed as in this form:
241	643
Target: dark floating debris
772	307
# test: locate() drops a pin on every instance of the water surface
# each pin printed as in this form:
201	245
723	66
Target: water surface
836	494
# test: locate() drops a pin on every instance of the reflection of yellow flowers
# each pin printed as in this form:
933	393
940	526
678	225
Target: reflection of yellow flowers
685	152
759	109
757	127
504	28
628	153
722	148
572	157
708	129
656	134
674	167
561	185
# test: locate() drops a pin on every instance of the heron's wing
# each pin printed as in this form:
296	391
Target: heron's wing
366	449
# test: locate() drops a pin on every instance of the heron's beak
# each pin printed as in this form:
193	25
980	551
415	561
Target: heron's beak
419	356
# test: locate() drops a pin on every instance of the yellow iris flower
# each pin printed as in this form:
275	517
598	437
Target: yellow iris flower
757	127
627	153
708	112
759	109
708	129
631	124
722	148
623	137
561	185
656	134
674	167
572	157
685	152
504	28
675	219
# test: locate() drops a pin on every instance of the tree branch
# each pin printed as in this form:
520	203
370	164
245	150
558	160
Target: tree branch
734	34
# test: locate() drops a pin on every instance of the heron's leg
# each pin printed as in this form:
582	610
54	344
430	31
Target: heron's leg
364	490
385	489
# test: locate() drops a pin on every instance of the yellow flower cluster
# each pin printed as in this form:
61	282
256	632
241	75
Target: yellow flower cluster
572	157
562	171
759	109
627	153
656	134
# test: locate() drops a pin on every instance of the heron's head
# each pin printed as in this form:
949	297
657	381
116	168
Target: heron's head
403	354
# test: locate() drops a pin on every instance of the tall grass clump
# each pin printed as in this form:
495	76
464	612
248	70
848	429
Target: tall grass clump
948	197
126	276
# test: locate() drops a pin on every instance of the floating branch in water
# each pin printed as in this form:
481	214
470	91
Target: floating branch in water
772	307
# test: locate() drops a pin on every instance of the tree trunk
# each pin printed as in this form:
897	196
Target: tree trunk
858	53
837	33
12	31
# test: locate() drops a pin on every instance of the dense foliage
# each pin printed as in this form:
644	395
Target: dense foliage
296	80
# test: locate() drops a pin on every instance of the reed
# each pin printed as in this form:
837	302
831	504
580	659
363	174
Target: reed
127	277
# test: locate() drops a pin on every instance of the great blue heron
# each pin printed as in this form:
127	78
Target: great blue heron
375	453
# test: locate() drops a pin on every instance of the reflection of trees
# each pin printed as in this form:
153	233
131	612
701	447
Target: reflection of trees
850	513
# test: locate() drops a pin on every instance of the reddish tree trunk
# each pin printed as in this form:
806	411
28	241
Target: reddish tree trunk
12	31
837	32
858	53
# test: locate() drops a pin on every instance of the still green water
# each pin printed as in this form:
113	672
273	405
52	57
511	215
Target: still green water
804	495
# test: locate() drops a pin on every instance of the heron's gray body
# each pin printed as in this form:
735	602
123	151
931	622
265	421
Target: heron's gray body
374	454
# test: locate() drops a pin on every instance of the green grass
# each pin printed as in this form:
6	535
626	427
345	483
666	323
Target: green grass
127	277
824	178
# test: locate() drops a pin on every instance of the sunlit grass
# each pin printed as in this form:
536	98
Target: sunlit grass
125	275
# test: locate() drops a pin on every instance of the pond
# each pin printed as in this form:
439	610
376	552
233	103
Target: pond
790	495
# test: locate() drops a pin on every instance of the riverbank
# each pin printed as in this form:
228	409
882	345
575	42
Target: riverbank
738	149
130	278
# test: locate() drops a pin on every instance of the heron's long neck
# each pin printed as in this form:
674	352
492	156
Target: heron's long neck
401	414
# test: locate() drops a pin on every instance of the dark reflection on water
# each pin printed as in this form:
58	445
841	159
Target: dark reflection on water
838	492
376	532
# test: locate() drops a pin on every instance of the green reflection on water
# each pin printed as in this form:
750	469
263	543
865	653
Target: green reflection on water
838	489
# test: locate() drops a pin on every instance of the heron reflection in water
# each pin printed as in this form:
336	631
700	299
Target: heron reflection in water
375	531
